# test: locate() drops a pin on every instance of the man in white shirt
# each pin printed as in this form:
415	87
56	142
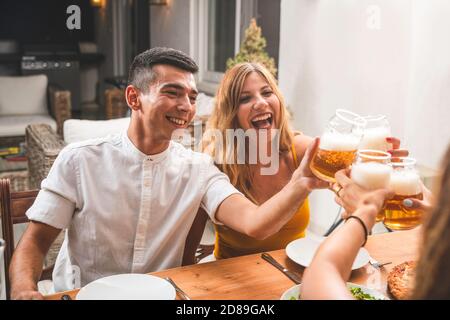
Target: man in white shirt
129	200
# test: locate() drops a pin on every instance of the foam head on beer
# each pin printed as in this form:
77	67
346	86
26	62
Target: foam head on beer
371	175
375	138
336	151
335	141
405	183
372	171
376	130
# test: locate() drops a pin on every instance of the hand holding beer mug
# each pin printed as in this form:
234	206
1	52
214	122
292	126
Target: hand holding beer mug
338	144
351	196
376	132
406	183
372	171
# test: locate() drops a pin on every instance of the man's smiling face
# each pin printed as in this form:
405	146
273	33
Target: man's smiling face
169	102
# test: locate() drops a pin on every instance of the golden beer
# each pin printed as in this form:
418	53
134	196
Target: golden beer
405	182
398	217
338	144
326	163
380	216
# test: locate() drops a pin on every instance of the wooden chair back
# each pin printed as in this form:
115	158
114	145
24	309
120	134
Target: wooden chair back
13	206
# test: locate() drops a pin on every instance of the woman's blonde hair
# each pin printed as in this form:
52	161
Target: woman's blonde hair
224	117
433	269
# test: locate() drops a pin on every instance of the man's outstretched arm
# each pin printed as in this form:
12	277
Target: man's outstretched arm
260	222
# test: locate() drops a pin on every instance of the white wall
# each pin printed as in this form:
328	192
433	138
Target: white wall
427	127
169	25
342	54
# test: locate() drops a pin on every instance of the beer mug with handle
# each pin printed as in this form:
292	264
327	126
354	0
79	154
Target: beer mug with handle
2	271
338	144
376	131
372	171
405	182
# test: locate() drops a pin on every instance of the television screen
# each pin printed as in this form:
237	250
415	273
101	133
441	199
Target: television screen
45	21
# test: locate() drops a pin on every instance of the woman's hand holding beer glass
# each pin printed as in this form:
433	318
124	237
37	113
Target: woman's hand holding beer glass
401	186
424	205
352	196
406	184
303	173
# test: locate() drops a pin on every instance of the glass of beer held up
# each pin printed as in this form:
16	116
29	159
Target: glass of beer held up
338	144
372	171
376	131
405	182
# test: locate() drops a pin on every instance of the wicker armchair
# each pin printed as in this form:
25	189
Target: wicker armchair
60	106
43	146
115	104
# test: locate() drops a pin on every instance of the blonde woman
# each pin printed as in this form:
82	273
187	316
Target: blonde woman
248	98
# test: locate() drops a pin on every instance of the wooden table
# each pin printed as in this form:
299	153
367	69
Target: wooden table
250	277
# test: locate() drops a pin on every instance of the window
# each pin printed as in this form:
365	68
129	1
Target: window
221	37
215	35
217	28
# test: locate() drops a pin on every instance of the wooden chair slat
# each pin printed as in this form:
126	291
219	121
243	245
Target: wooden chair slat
13	207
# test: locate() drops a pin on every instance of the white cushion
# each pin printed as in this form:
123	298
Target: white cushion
11	126
23	95
78	130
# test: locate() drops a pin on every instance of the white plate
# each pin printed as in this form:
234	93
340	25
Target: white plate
294	292
128	287
302	251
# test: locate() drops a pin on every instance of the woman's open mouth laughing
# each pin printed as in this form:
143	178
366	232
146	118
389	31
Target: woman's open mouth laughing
262	121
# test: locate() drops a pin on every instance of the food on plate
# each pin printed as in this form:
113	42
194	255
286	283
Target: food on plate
401	280
357	292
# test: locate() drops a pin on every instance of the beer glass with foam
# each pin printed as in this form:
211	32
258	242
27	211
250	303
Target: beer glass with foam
376	131
405	182
338	144
372	171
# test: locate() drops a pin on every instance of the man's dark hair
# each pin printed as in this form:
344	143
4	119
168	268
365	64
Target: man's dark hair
141	74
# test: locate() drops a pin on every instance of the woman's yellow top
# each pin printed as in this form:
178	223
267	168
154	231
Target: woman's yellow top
230	243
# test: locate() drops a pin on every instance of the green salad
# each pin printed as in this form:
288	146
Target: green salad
356	292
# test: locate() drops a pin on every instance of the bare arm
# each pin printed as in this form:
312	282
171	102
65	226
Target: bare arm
327	275
194	237
28	258
262	221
